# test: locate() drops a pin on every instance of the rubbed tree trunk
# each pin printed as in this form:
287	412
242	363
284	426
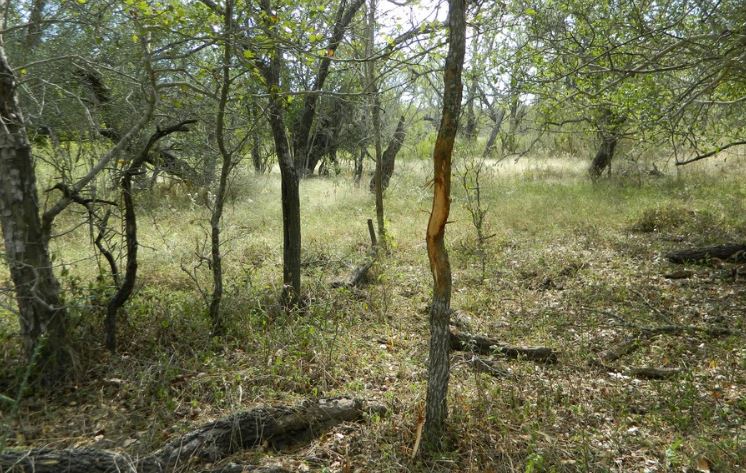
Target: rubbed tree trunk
389	157
436	409
42	316
603	157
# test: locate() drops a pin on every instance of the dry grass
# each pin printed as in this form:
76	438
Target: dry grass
571	265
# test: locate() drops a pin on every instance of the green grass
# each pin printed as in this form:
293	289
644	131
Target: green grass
565	254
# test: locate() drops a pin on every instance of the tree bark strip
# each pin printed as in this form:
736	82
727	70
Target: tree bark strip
436	409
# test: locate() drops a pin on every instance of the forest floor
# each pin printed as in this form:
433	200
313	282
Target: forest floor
570	265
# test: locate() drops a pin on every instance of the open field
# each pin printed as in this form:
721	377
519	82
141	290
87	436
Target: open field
569	265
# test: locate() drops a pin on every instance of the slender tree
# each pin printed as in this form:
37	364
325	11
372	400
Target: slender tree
438	369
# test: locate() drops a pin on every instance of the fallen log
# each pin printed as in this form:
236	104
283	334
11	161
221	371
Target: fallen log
72	460
732	252
238	468
275	427
462	341
714	331
653	373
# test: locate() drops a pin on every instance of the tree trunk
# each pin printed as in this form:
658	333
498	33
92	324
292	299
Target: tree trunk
302	127
461	341
218	323
436	409
359	160
35	25
291	229
375	108
389	156
276	427
603	157
42	316
497	119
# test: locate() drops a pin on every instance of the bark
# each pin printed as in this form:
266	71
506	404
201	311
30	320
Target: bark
291	228
289	191
436	408
734	252
514	119
603	157
497	119
218	324
36	24
359	160
375	113
42	317
647	372
389	156
275	427
461	341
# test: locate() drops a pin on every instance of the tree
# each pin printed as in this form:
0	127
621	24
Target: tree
291	169
656	76
41	313
436	409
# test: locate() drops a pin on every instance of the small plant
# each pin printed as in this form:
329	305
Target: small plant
471	174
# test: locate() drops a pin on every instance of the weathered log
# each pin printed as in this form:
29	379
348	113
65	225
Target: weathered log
276	427
238	468
462	341
653	373
732	252
714	331
73	460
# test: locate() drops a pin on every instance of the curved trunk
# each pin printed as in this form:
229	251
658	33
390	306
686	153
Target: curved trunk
436	408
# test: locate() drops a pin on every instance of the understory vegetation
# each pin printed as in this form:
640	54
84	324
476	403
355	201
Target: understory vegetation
568	264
